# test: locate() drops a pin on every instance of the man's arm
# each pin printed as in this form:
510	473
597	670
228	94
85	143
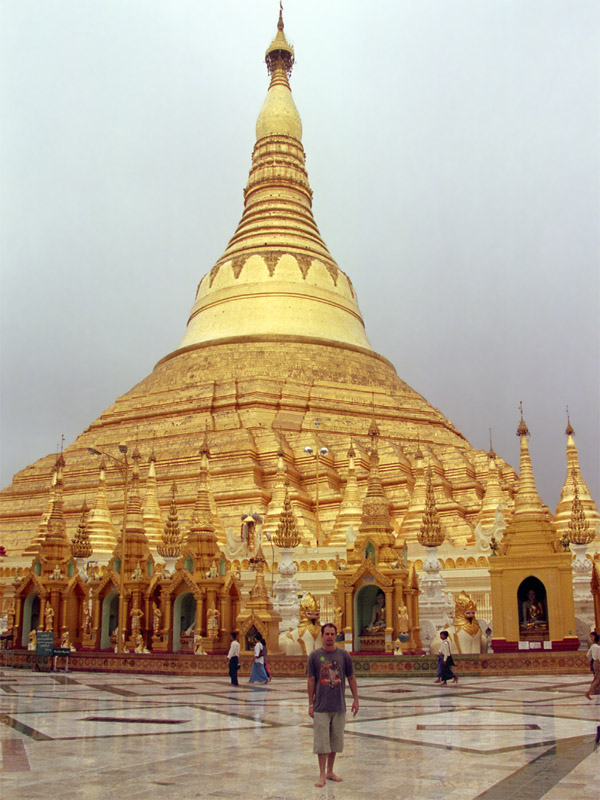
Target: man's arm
354	689
310	688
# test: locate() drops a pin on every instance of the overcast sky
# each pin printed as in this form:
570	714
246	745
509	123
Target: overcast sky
454	152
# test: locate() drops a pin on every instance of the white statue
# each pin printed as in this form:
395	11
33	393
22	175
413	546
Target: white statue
465	633
306	637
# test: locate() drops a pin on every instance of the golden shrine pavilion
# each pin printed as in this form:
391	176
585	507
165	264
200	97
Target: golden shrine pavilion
276	380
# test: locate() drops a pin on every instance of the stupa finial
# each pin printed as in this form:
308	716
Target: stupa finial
522	430
280	54
569	429
491	453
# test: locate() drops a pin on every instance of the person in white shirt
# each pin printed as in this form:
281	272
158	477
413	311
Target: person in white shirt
445	656
594	655
234	659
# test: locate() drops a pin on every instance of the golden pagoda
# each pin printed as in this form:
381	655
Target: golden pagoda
274	361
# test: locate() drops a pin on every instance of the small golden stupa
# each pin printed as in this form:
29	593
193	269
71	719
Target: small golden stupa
531	576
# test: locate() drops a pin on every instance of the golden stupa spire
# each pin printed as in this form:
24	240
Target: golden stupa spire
100	528
201	541
350	512
55	546
276	276
493	496
153	523
431	533
527	501
136	544
573	479
411	521
376	527
135	518
530	529
81	546
33	547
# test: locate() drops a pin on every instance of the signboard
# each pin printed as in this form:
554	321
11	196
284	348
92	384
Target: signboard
44	643
62	652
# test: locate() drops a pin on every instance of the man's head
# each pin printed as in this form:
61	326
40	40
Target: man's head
233	635
443	635
328	634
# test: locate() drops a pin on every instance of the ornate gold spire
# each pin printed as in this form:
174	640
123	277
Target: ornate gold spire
527	501
574	478
153	523
376	526
287	533
100	528
430	533
530	528
350	512
170	544
579	531
201	542
55	546
411	520
81	546
136	544
276	276
493	496
34	545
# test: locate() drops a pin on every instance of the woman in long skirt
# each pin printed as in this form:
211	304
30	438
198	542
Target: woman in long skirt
259	673
445	656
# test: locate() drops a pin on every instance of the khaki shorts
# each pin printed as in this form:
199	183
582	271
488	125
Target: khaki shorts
328	730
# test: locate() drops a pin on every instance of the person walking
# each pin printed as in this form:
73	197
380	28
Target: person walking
259	673
327	669
234	659
594	655
445	656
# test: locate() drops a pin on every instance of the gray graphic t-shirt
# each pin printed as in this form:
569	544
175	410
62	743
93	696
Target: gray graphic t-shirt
330	671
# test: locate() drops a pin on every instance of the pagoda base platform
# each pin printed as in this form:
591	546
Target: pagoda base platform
518	663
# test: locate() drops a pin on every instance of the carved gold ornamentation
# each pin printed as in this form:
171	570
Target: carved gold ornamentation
287	534
81	546
431	533
579	529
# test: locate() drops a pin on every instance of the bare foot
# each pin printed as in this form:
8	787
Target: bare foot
438	680
333	777
588	697
321	782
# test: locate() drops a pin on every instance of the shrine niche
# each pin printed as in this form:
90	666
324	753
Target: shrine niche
29	599
258	614
533	615
374	607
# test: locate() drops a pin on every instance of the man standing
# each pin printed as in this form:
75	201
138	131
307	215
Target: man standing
327	670
234	659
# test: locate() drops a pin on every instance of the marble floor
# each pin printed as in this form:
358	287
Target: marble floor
101	736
